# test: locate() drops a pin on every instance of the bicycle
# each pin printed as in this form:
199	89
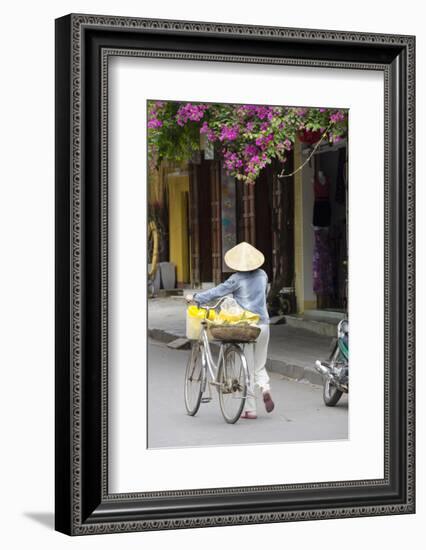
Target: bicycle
229	375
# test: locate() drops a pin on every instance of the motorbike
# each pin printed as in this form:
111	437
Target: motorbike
335	371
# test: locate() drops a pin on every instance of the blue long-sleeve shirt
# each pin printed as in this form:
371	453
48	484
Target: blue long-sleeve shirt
248	288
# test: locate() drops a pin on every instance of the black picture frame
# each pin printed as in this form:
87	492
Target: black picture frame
83	504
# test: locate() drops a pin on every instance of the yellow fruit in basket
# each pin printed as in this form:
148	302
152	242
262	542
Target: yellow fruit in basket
246	316
193	311
225	316
194	317
200	313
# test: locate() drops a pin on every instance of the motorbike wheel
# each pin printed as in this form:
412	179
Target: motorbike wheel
331	394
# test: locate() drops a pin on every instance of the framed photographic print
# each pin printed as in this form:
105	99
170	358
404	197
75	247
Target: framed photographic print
232	202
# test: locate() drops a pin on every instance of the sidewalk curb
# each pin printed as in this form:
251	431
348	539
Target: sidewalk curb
294	372
162	335
317	327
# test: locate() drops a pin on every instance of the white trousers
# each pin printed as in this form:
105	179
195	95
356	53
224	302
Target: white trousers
256	355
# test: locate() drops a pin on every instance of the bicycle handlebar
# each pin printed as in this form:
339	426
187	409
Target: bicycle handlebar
208	308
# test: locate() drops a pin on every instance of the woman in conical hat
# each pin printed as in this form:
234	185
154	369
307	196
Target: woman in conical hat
248	286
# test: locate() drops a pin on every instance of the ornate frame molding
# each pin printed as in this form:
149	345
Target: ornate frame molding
72	517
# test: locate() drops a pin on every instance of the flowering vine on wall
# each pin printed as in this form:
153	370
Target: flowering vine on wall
247	137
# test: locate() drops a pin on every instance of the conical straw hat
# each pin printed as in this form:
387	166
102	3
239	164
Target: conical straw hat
244	257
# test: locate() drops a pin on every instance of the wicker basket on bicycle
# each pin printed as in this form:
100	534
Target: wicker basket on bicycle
235	332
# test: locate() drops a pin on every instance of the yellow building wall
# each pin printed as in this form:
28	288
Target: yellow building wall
178	187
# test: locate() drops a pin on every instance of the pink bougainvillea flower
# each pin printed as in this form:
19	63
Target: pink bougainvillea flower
250	109
208	132
250	150
337	116
286	145
190	112
301	111
155	123
228	133
262	112
243	153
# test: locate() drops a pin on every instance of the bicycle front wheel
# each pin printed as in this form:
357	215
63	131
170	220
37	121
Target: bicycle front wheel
194	379
232	378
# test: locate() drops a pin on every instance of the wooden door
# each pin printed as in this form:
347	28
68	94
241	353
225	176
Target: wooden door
200	223
216	237
263	218
282	222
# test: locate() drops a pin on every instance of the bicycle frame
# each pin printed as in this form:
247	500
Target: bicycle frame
230	374
206	354
204	339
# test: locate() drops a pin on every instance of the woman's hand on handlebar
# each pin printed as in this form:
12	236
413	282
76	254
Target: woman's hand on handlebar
189	298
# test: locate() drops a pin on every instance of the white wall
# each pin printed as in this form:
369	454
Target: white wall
26	229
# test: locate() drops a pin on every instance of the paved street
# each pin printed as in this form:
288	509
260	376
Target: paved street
299	413
292	350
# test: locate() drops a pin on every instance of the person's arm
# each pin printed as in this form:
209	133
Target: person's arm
227	287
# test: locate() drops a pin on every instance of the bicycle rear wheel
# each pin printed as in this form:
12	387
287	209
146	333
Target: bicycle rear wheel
232	377
194	379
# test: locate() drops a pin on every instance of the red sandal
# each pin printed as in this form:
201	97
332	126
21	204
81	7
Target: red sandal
249	415
267	399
